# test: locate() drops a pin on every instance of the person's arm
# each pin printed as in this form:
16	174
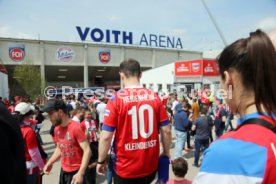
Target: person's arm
104	145
192	108
166	139
193	127
223	115
32	147
78	178
56	156
83	127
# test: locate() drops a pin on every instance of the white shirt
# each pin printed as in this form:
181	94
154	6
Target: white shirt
174	105
101	111
75	118
73	103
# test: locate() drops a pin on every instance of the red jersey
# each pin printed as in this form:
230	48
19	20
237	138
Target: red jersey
29	137
165	101
136	114
237	150
91	127
68	139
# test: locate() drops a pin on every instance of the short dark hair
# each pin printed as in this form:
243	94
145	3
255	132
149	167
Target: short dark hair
180	167
87	110
254	59
61	105
204	109
130	67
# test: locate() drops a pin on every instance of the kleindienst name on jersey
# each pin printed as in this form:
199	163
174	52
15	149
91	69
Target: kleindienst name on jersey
140	145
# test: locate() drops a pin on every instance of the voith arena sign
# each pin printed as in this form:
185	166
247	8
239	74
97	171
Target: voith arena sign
124	37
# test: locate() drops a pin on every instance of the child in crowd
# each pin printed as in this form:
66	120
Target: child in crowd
180	169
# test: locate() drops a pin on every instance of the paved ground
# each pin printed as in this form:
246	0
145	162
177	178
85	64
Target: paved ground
54	177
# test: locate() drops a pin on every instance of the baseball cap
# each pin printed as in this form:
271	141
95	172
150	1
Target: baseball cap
23	108
54	105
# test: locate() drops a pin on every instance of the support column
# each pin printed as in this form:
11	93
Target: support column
42	67
153	59
85	66
179	56
122	58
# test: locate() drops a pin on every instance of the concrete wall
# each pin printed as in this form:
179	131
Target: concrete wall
51	51
43	53
39	52
144	56
93	55
32	52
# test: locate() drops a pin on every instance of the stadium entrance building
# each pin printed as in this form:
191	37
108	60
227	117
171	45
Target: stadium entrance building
84	64
187	75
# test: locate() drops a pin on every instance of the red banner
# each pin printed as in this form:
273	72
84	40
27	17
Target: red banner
196	68
186	68
210	68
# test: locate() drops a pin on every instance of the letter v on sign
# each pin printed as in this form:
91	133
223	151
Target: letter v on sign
82	34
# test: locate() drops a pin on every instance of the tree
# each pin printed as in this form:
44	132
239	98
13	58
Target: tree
27	80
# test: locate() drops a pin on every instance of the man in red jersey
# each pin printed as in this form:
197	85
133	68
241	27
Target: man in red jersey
136	114
90	127
72	145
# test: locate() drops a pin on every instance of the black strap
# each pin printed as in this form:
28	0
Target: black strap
261	122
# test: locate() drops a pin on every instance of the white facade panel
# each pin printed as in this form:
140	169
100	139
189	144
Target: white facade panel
93	56
164	57
31	52
144	56
163	75
51	54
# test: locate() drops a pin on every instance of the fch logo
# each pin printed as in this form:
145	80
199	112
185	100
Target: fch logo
195	67
104	55
17	52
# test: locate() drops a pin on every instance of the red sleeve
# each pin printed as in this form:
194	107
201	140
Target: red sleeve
97	124
162	115
79	134
111	115
83	127
31	142
56	135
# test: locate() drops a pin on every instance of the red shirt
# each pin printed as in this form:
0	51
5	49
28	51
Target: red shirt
68	139
91	127
136	114
165	101
29	140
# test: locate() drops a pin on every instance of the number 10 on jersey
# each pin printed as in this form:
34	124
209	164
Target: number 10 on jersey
141	121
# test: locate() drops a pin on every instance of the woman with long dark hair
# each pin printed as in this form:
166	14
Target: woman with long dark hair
247	155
